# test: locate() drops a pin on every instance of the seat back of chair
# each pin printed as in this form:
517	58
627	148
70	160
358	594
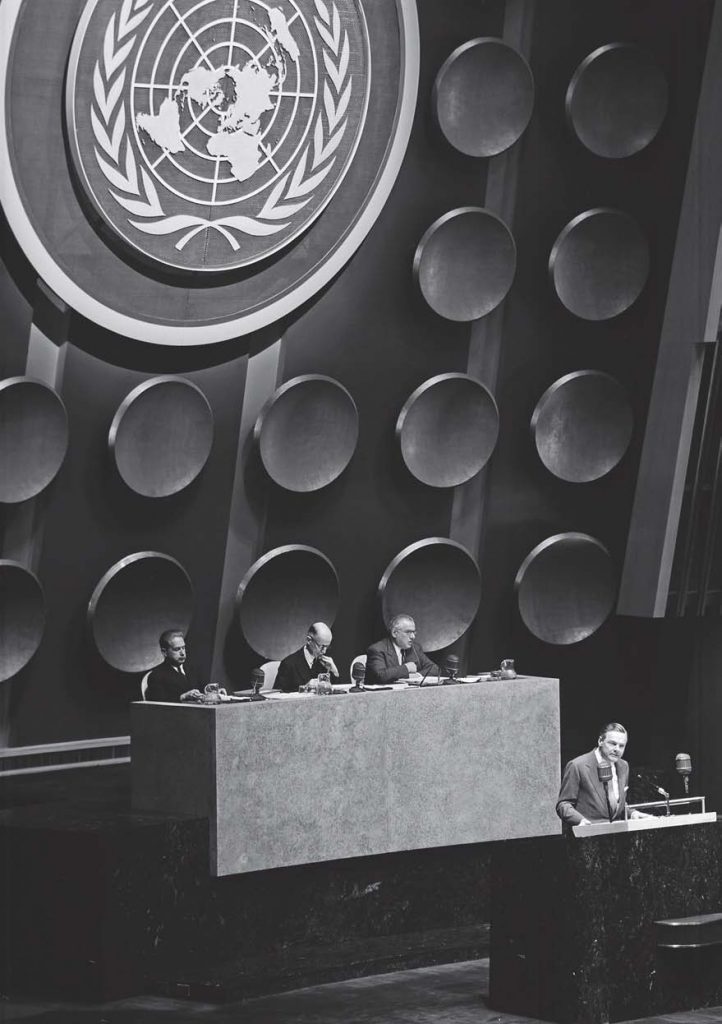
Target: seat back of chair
270	671
360	659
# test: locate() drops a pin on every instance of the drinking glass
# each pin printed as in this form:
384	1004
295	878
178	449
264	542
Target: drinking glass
507	669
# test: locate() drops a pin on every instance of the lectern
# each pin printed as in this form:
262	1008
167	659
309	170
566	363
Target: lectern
581	926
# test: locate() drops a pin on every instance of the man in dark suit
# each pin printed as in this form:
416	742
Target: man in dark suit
398	657
173	680
298	668
583	797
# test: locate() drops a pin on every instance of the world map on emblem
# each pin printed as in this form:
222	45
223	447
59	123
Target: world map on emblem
210	133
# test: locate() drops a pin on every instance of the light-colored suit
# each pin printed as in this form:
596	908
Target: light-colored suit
582	795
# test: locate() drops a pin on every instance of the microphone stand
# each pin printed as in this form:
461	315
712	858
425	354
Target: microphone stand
609	806
657	789
604	772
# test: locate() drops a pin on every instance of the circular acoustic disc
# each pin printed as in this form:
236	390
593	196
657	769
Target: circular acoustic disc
136	600
617	100
282	593
307	432
22	617
436	582
161	436
447	429
582	425
33	437
566	588
465	263
599	264
483	97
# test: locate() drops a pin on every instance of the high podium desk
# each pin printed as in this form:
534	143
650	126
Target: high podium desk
301	779
615	922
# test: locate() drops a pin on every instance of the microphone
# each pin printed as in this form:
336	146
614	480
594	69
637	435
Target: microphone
683	766
604	771
652	785
358	674
451	666
258	678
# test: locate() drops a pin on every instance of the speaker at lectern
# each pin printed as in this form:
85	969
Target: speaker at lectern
598	925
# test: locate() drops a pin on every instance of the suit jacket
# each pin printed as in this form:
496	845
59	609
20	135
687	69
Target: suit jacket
582	795
165	683
294	671
382	663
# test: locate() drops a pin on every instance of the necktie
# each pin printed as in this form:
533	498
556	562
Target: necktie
613	803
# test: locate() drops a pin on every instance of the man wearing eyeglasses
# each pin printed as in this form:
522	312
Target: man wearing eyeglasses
398	658
296	669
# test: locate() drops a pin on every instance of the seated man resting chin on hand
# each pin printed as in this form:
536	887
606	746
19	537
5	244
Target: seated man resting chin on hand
298	668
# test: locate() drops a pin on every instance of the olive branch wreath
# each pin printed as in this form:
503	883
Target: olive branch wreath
135	191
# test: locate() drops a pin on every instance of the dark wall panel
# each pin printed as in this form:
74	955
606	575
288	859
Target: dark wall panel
620	672
91	520
374	332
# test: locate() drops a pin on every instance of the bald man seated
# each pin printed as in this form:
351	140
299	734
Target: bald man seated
398	658
298	668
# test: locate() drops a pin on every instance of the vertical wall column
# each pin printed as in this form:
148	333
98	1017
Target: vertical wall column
249	499
691	318
467	514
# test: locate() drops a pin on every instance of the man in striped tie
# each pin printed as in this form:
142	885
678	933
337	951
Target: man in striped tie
594	785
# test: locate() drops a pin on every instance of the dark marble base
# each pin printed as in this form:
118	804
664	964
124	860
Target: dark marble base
86	896
304	966
572	925
105	903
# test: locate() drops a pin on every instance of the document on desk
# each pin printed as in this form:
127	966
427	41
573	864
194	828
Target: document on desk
280	695
386	686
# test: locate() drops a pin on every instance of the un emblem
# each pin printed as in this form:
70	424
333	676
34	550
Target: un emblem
215	131
185	172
